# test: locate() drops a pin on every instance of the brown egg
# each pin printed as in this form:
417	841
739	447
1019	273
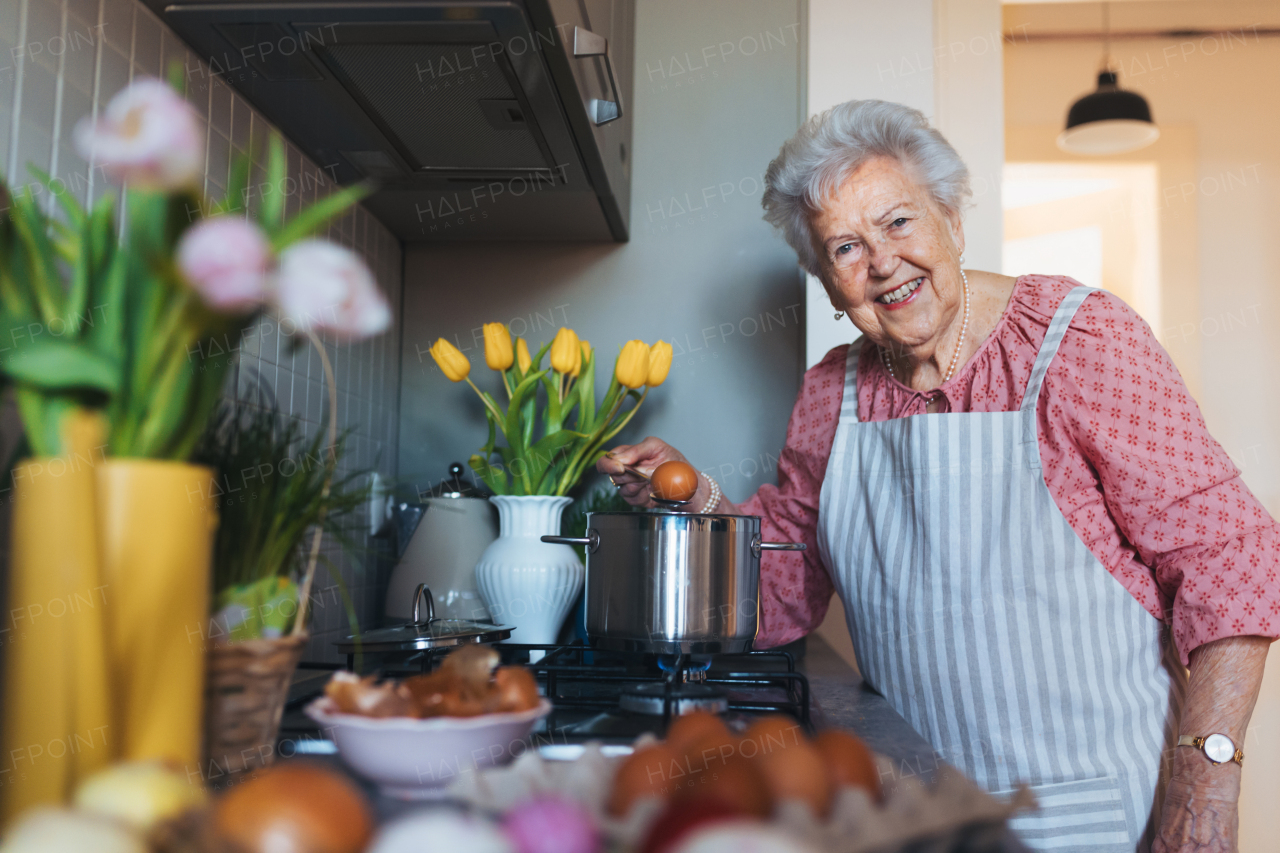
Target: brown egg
773	732
645	773
797	772
848	761
687	728
735	781
514	689
674	481
709	750
297	806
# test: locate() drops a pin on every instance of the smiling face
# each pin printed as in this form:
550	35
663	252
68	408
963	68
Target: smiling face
890	257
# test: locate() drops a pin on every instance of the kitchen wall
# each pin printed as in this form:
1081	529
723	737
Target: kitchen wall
63	59
702	270
1219	176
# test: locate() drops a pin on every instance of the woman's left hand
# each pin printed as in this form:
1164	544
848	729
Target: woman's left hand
1199	806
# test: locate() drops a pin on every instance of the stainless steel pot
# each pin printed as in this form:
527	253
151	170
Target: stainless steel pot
672	583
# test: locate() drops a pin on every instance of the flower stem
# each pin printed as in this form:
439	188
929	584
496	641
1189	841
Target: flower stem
492	409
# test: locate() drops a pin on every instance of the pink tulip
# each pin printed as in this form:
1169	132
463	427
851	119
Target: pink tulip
148	137
227	260
323	286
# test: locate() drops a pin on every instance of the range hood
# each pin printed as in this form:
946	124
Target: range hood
476	120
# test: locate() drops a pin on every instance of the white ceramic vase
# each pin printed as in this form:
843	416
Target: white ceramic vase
525	582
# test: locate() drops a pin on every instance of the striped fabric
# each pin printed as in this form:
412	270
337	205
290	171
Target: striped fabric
984	620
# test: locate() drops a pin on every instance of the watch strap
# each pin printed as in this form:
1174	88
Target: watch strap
1197	742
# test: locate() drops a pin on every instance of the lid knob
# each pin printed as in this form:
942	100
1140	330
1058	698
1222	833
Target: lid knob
456	485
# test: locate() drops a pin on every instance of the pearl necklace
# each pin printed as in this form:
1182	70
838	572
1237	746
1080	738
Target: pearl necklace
955	356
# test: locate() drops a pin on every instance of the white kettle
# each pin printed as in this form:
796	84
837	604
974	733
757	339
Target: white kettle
457	526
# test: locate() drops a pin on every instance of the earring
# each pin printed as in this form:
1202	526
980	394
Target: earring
839	315
962	259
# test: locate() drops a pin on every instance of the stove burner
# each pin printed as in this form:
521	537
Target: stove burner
691	669
653	699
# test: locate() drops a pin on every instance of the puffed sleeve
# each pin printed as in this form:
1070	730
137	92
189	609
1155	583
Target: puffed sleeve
795	588
1182	512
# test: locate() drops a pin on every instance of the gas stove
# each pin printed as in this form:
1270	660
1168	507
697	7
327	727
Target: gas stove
614	697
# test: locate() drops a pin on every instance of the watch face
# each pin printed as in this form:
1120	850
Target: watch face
1219	748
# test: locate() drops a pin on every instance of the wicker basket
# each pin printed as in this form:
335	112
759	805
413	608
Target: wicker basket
246	686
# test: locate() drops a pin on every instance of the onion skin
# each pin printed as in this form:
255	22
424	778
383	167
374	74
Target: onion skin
296	807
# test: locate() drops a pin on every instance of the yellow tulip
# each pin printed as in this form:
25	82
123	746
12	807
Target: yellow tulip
497	346
659	363
452	363
632	368
522	355
566	355
586	356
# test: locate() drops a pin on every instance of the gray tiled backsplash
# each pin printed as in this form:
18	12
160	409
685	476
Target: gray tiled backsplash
56	57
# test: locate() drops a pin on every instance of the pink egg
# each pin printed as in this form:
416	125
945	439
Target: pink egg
551	825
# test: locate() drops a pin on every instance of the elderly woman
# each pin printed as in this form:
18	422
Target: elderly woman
1016	499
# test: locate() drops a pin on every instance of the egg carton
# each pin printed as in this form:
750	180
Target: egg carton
951	814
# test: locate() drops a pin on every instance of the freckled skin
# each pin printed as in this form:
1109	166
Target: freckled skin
881	229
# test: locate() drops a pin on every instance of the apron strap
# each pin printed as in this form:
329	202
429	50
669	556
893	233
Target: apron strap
849	402
1052	339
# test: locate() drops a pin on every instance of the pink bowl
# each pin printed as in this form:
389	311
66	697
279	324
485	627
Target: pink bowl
410	758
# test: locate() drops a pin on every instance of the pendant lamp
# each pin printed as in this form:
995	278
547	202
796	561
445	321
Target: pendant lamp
1110	120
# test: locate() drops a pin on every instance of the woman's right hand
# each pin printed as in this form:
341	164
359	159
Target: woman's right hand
645	456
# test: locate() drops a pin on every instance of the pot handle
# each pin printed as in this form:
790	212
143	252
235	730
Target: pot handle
418	594
757	546
591	541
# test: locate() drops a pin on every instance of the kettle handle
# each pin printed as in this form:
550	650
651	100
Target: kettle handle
757	546
418	594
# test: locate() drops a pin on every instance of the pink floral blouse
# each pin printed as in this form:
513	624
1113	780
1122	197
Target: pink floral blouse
1125	452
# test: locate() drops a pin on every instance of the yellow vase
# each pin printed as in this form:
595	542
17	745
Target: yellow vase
57	718
157	521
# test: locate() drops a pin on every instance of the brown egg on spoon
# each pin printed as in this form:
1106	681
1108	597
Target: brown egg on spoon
674	481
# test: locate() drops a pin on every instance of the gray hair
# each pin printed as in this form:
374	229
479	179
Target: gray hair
832	145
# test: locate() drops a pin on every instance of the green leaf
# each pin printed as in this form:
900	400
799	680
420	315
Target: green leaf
495	479
272	209
536	364
177	76
512	427
547	450
319	214
487	450
586	389
235	200
528	414
61	365
70	204
551	417
36	263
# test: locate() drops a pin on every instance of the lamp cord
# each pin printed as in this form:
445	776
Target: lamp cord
1106	36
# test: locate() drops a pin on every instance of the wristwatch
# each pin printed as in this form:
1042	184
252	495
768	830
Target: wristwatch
1219	749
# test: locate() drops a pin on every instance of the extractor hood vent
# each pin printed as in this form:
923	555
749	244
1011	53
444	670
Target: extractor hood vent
511	116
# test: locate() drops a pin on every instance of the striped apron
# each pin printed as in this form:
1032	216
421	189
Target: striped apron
989	625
